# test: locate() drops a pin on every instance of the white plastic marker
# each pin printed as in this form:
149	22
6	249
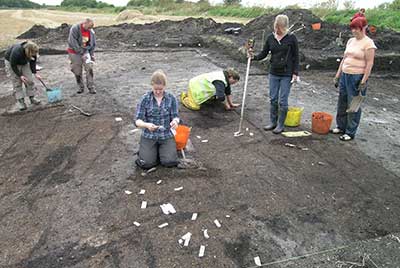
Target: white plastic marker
217	224
228	216
186	238
163	225
205	233
118	119
142	191
178	189
199	137
257	261
159	182
204	141
128	192
144	205
167	209
202	250
194	216
136	223
251	134
133	130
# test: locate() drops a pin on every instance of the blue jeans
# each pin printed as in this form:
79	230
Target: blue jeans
279	89
348	88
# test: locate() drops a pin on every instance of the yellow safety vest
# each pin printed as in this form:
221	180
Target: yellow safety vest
201	87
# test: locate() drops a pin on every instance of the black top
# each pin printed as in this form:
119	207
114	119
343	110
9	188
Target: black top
221	89
16	56
284	55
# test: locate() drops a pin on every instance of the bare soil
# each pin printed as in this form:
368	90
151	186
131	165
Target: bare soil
63	176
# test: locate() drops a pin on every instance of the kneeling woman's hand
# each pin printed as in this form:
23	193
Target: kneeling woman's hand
151	127
174	123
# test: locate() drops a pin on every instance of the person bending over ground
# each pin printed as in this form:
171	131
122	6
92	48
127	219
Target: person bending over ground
81	46
284	67
157	115
211	85
352	77
20	62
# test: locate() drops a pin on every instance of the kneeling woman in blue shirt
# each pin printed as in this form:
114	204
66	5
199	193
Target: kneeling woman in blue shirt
157	115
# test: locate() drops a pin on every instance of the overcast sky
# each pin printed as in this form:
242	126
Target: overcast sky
274	3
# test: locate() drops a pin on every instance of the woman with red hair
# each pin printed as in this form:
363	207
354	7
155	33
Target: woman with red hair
352	77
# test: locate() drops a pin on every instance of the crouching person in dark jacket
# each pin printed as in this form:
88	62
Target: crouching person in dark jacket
157	115
283	70
20	62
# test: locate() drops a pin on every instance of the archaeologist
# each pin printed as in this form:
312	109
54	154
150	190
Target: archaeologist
81	46
214	85
352	77
20	62
157	115
284	67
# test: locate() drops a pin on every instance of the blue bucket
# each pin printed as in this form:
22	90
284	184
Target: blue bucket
54	95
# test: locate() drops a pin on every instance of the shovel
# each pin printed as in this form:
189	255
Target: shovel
355	103
46	87
250	44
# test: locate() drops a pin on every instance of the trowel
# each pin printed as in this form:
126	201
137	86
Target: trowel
355	103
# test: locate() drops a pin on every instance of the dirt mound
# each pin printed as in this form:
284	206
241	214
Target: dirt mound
128	15
320	48
35	32
164	33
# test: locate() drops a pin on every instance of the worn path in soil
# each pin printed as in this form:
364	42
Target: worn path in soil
63	177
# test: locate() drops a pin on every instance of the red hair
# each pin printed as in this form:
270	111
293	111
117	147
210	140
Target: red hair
358	23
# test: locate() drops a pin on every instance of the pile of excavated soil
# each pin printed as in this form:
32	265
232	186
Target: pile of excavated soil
128	15
319	49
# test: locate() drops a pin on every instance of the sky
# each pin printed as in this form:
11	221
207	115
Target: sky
274	3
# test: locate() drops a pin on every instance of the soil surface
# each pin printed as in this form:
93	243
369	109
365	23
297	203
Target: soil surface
319	49
322	203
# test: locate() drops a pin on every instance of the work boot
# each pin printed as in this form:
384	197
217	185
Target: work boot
281	121
34	100
21	104
273	114
92	91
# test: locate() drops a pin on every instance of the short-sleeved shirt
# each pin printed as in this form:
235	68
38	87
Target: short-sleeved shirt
355	62
149	111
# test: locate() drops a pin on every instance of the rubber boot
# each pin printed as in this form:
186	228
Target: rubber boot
21	104
34	101
273	115
281	121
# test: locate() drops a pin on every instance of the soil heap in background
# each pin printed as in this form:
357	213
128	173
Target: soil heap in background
128	15
318	49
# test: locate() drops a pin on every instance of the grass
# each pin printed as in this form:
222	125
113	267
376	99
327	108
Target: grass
382	18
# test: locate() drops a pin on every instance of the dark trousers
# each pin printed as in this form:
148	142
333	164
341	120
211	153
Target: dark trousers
348	88
153	152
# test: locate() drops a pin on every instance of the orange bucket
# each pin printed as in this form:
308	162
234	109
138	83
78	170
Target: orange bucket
372	29
321	122
316	26
182	137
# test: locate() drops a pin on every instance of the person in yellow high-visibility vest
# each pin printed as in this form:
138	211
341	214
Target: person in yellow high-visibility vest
207	86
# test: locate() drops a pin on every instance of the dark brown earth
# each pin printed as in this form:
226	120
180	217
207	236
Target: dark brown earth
63	176
318	49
